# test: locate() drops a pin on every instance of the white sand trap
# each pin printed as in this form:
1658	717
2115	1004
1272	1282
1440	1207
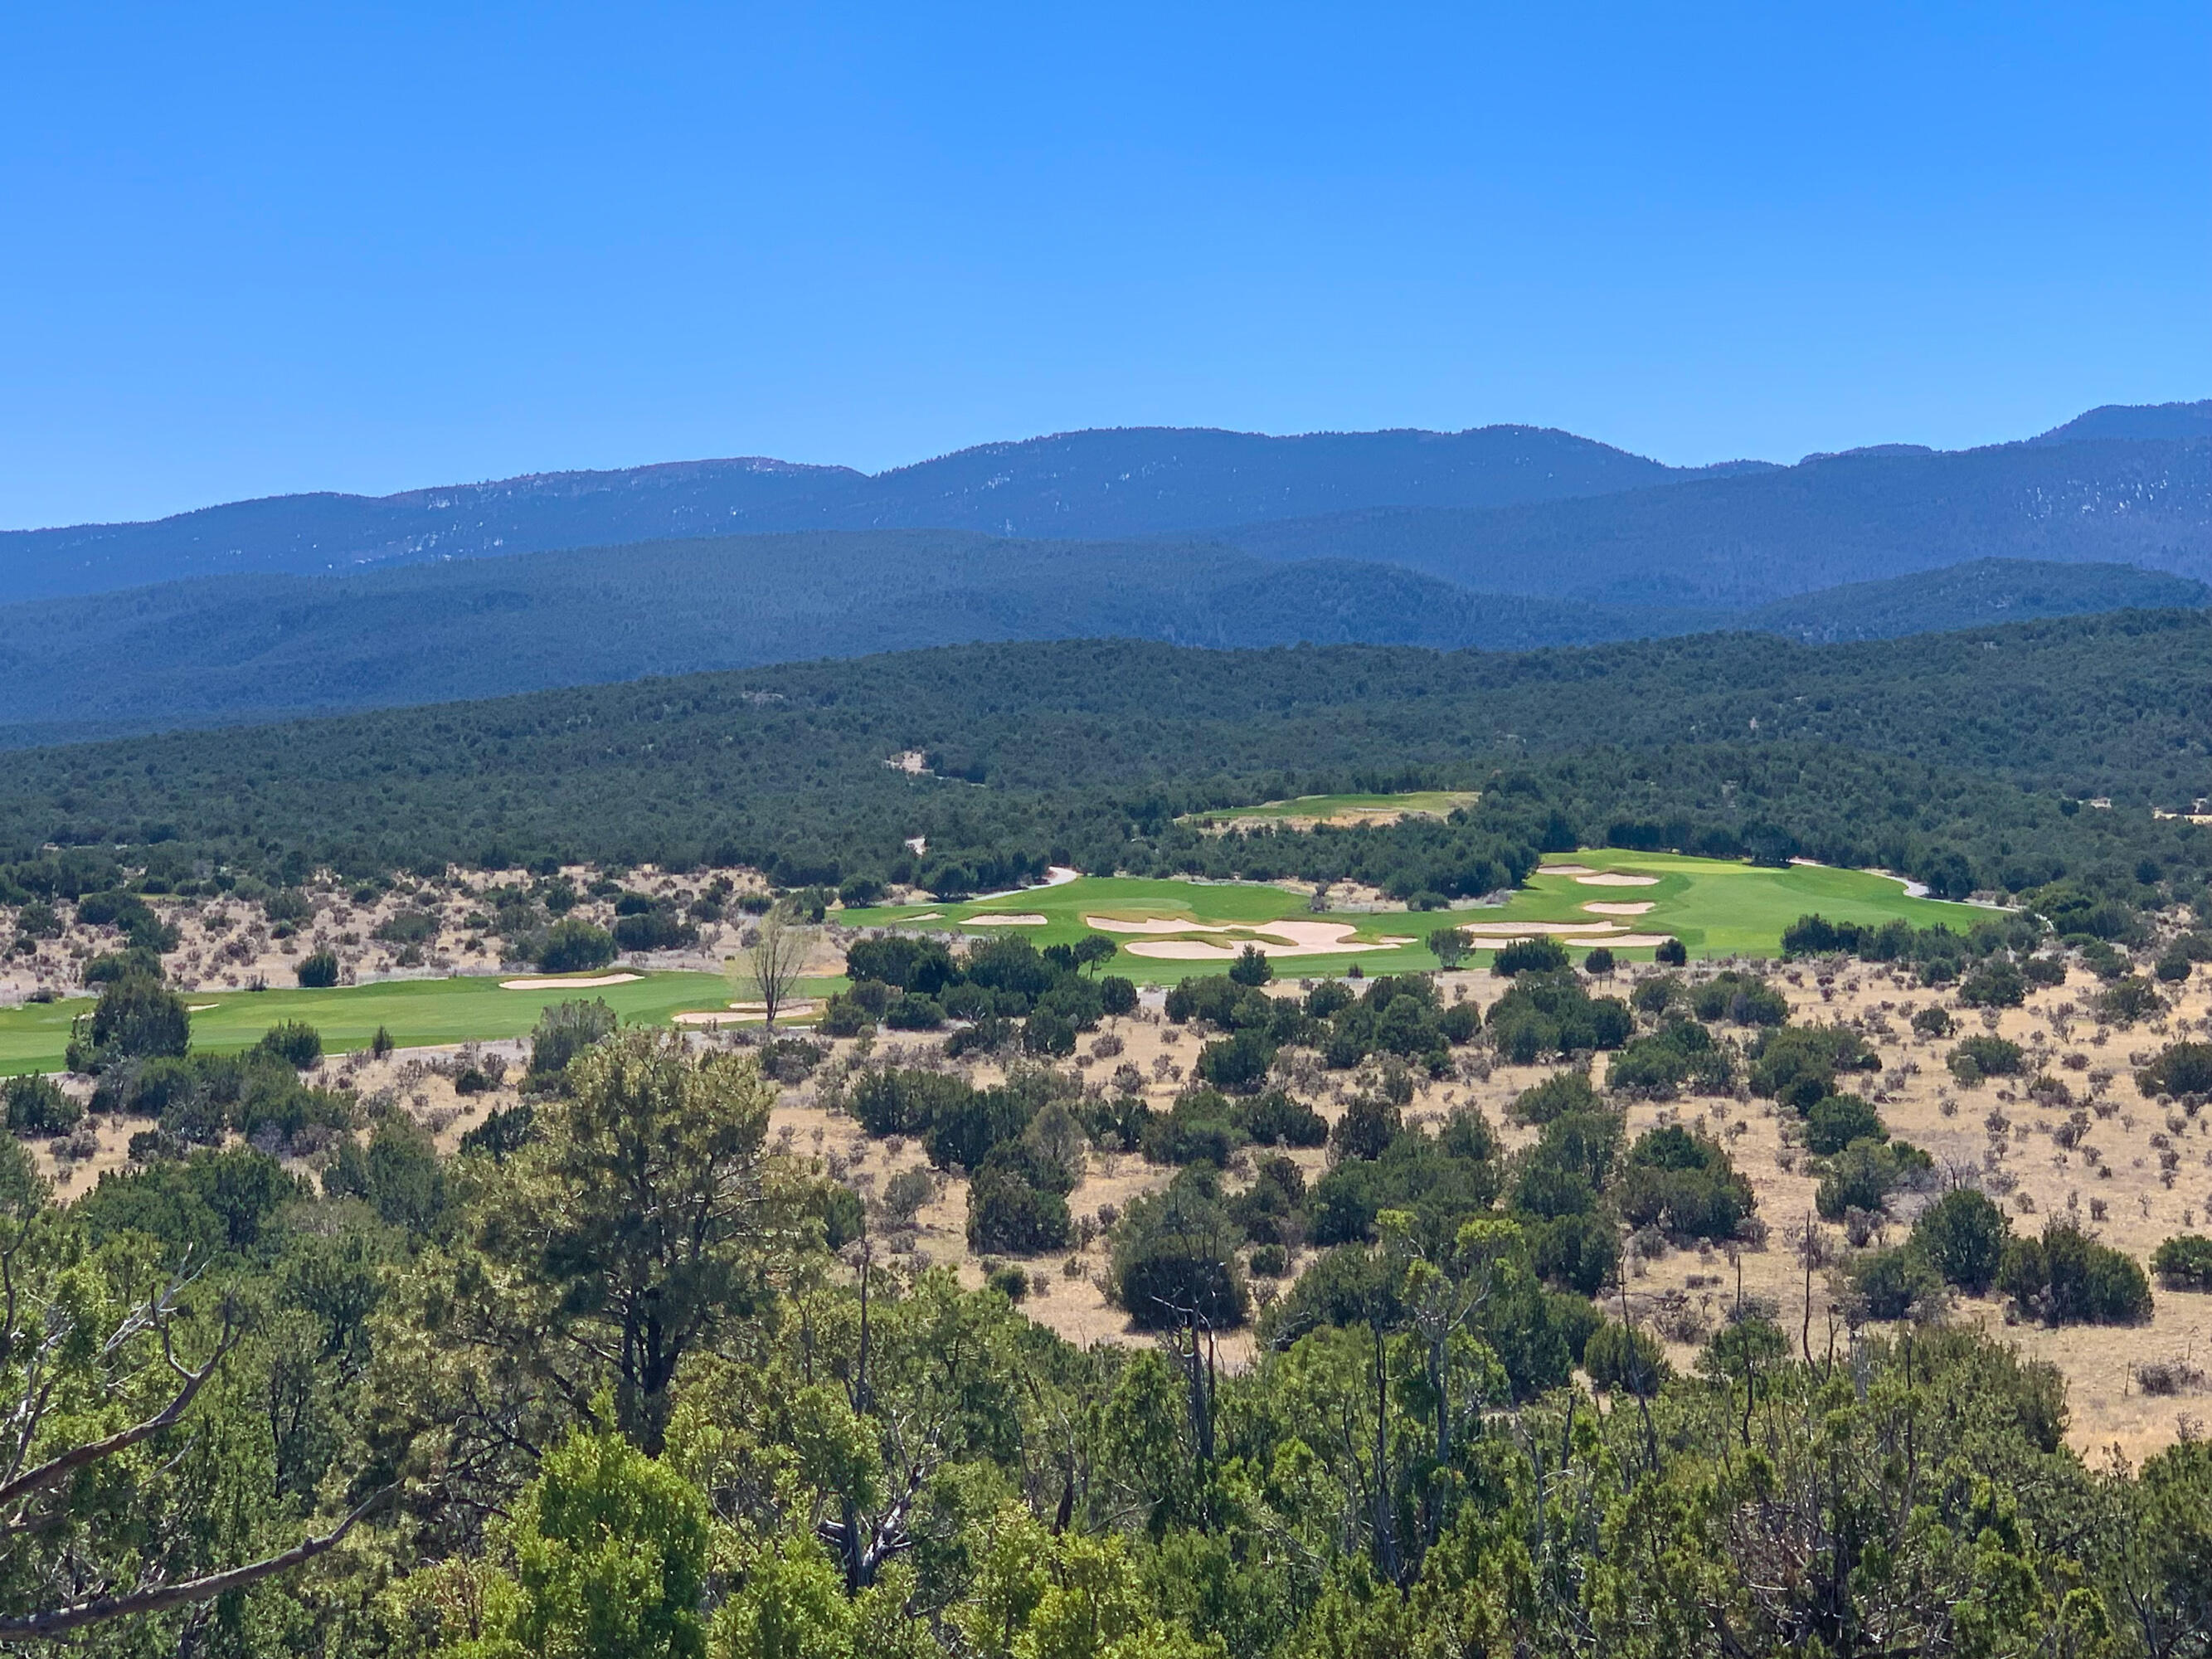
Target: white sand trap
1289	938
1490	930
200	1007
573	982
738	1014
1157	925
1565	870
1004	922
1614	879
1636	909
1637	941
927	915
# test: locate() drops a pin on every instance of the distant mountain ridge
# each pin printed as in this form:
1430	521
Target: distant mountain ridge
1512	508
1096	485
1737	542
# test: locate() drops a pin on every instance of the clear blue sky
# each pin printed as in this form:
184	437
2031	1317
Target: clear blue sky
249	250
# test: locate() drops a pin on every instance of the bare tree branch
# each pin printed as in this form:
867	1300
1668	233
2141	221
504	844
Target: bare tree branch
59	1621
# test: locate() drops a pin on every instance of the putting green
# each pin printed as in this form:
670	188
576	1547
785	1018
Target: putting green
418	1013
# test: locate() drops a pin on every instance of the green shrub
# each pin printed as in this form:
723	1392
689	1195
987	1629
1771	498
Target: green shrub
1797	1065
2181	1068
295	1041
1683	1184
1863	1176
1962	1235
1838	1119
1238	1062
1563	1092
2066	1278
2127	1000
1271	1260
1251	967
1599	962
1932	1022
1274	1119
137	1018
318	971
1897	1283
2173	968
565	1030
1017	1204
1542	954
1202	1127
1367	1126
2184	1262
1011	1282
572	946
1995	984
1174	1255
37	1106
909	1011
1624	1360
1984	1055
1672	954
1740	998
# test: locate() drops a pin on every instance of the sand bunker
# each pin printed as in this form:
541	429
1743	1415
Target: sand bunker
1614	879
927	915
737	1014
1636	909
1530	929
200	1007
1637	941
1288	938
572	982
1565	870
1157	925
1004	922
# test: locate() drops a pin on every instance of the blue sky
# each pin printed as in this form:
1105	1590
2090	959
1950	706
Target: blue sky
250	251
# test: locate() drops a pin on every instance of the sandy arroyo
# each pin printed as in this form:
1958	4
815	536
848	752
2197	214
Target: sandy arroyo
573	982
1004	922
1614	879
1602	909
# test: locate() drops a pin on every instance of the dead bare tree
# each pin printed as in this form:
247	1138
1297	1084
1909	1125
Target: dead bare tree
771	964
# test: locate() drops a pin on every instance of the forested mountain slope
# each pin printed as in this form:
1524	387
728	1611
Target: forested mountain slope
1892	752
232	649
1749	539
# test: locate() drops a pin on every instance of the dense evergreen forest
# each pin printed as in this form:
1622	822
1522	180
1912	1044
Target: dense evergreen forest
1963	759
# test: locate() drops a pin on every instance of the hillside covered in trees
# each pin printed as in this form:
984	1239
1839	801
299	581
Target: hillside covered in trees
1966	759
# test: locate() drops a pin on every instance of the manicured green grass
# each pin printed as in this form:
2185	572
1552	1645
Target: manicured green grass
1719	908
1420	803
1233	905
418	1013
1715	908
